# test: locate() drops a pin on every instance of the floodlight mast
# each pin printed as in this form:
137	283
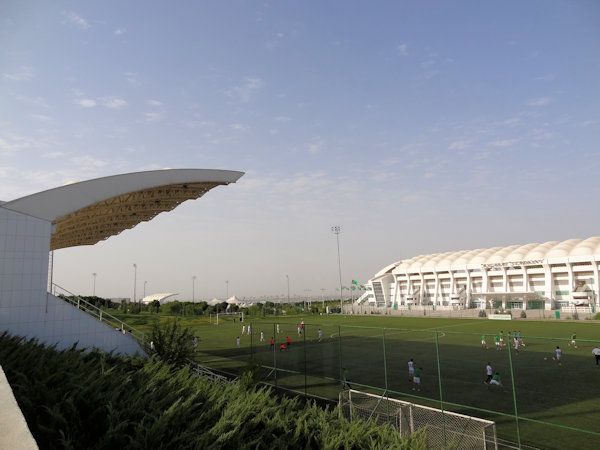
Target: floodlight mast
337	230
193	288
134	282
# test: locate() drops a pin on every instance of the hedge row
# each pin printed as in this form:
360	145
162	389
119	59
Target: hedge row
93	400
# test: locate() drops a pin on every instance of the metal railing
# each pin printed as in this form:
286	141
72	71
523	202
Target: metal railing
102	316
210	374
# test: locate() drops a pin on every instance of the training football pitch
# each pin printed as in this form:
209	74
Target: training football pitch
558	406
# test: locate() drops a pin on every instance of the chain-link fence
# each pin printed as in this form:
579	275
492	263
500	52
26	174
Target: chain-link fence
541	399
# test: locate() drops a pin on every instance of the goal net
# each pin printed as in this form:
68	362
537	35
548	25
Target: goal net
443	429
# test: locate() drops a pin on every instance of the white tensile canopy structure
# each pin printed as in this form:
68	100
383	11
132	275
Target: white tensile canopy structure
162	298
82	213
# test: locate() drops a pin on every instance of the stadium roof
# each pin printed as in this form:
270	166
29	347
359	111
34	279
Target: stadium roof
87	212
495	255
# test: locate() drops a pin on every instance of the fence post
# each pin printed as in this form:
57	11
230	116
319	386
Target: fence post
252	329
100	315
512	380
274	355
340	349
437	352
304	351
384	360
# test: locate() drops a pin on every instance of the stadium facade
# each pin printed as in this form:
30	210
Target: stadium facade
84	213
552	275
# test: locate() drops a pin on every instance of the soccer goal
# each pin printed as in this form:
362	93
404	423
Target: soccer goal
230	316
443	429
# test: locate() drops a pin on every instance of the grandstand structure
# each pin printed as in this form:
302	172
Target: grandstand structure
83	213
552	275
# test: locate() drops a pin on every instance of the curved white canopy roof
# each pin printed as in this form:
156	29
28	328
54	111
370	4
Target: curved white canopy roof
513	253
90	211
162	298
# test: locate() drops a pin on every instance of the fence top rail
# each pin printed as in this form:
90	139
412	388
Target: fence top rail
430	331
403	402
99	311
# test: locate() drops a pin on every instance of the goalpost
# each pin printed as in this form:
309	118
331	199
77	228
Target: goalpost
239	314
442	428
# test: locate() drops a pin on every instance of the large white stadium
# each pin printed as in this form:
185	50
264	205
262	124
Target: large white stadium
552	275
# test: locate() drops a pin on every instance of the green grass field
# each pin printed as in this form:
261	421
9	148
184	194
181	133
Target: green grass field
376	349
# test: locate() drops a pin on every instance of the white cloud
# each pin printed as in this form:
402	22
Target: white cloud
119	31
24	73
86	102
131	77
547	77
246	90
153	102
587	123
282	119
76	20
461	145
41	117
52	155
316	145
238	126
542	101
153	117
114	102
503	143
402	49
36	101
87	161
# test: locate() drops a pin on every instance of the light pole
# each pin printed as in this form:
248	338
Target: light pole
134	282
145	289
94	275
337	230
323	298
227	291
194	289
288	283
307	297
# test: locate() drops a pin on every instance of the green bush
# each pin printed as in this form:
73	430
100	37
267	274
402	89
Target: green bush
172	343
93	400
523	315
482	313
597	316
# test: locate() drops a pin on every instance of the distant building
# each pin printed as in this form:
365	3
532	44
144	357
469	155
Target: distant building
550	275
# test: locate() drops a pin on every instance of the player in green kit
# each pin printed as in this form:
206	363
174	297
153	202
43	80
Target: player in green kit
497	342
483	343
573	340
417	379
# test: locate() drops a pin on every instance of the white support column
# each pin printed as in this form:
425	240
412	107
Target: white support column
548	282
572	286
396	291
595	298
485	285
436	300
422	293
468	291
506	286
409	286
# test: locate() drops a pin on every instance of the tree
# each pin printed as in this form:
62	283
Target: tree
155	304
172	343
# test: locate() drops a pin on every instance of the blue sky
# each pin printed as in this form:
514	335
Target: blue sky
418	127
